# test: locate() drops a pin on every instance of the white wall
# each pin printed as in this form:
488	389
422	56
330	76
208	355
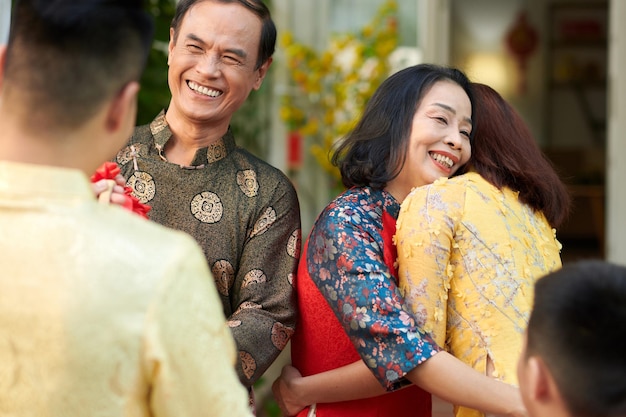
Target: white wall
434	30
616	145
5	20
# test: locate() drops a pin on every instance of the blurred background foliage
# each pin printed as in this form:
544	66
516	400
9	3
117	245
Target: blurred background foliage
154	94
330	87
250	125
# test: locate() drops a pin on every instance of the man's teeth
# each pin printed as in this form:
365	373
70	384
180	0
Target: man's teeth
203	90
442	159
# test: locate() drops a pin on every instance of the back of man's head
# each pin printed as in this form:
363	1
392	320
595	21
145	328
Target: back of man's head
65	58
578	330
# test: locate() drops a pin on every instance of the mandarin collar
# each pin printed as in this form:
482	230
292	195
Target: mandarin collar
28	181
208	155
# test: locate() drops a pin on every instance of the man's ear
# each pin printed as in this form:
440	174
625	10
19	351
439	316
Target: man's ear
261	73
541	386
170	46
122	110
3	60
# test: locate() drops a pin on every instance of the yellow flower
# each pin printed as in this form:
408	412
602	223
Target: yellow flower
334	85
438	314
368	30
286	39
311	128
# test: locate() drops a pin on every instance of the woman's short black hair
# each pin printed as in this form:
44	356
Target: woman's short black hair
374	152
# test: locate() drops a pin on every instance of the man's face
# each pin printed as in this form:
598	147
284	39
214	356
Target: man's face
212	62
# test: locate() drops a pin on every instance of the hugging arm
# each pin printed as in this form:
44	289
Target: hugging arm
347	267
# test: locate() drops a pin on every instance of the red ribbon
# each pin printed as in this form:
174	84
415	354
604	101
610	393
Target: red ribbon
110	170
390	252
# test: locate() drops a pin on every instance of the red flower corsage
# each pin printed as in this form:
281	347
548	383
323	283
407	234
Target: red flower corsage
108	171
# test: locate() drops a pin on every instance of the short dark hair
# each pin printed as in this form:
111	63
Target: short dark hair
67	57
267	42
374	152
506	154
578	327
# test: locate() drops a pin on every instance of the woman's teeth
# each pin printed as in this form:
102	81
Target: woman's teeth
442	159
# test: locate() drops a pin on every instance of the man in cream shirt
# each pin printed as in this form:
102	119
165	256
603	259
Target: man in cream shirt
101	311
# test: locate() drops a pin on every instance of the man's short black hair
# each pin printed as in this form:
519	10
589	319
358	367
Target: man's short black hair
66	57
578	327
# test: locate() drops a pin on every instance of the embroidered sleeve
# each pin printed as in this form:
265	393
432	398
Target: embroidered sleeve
346	262
264	311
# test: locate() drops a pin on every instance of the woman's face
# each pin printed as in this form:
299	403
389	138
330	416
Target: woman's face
439	142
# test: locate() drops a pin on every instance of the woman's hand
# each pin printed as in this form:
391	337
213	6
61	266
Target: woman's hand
285	391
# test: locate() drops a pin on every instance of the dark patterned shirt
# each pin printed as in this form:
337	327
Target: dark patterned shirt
244	213
346	260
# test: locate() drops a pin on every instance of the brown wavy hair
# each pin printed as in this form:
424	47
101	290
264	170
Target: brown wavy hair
505	153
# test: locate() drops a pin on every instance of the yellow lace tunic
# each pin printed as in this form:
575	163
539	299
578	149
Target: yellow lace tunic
468	256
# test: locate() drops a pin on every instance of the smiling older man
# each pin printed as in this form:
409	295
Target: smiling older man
187	166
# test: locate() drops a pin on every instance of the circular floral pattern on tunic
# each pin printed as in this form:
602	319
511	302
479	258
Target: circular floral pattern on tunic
207	207
247	363
224	275
281	335
256	276
293	244
126	155
248	183
142	185
268	218
246	305
216	151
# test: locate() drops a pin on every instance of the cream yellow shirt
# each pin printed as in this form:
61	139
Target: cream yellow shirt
103	313
469	255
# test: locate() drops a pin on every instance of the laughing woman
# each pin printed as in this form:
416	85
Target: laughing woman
470	248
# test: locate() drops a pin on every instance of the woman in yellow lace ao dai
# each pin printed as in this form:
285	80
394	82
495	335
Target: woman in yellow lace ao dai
471	247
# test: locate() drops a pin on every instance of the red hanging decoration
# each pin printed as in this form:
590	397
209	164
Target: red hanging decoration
521	41
294	150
